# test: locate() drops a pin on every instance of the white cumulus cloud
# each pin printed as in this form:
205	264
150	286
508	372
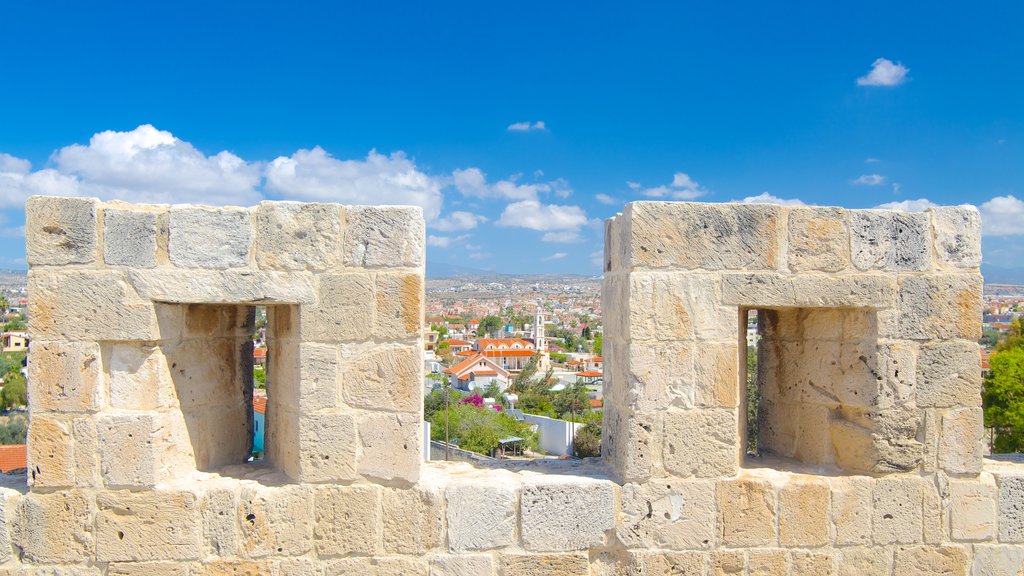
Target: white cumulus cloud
472	182
884	72
527	126
458	220
563	237
315	175
555	256
444	241
919	205
869	180
1002	216
606	199
682	188
534	215
766	198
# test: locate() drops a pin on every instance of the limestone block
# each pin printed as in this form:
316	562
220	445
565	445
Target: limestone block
545	564
851	510
297	236
560	516
890	240
220	524
462	565
930	561
661	563
961	441
215	567
385	377
316	387
147	569
141	526
67	570
819	239
701	443
949	375
327	447
57	527
343	310
390	446
698	235
972	509
767	562
810	563
396	566
276	521
725	562
864	561
957	236
51	461
480	517
348	520
804	513
129	238
224	286
746	512
674	515
673	305
997	560
377	236
86	452
939	306
138	377
83	305
202	237
897	363
716	375
615	304
1011	508
660	375
758	289
399	305
879	442
297	567
632	444
413	520
126	450
896	513
282	440
60	231
64	377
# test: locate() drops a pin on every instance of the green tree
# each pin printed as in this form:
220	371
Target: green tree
489	326
753	400
14	392
441	329
571	402
479	429
1003	400
1014	337
522	380
598	347
259	377
14	431
587	441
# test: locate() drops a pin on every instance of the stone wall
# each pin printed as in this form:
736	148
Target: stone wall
140	317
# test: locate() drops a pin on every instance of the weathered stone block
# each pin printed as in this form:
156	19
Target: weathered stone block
217	567
701	443
64	377
386	377
672	305
276	521
51	461
391	446
972	509
804	513
997	560
545	564
399	305
60	231
897	516
462	565
674	515
129	238
413	520
141	526
891	241
810	563
557	516
297	236
725	562
851	510
767	562
379	236
697	235
949	375
819	239
224	286
865	561
746	513
148	569
57	527
632	443
660	374
348	520
327	446
86	452
961	441
84	305
957	236
396	566
217	238
138	377
1011	507
127	457
930	561
480	517
758	289
343	310
938	306
716	375
316	387
220	524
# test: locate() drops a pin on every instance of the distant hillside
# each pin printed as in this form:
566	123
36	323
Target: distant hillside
1002	275
446	270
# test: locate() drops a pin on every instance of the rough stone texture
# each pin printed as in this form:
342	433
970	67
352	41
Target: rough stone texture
804	514
58	527
995	560
379	236
134	527
851	510
819	239
700	443
931	561
50	453
296	236
127	457
544	565
1011	507
897	516
348	521
558	516
276	521
960	441
64	377
676	515
973	510
948	375
957	236
391	446
129	238
203	237
60	231
84	305
464	565
413	521
889	240
871	561
746	513
480	517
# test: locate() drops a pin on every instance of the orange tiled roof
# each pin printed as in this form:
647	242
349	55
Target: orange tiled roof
596	403
13	457
483	343
508	353
590	374
457	342
259	404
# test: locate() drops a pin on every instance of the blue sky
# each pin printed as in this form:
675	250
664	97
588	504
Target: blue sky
518	126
